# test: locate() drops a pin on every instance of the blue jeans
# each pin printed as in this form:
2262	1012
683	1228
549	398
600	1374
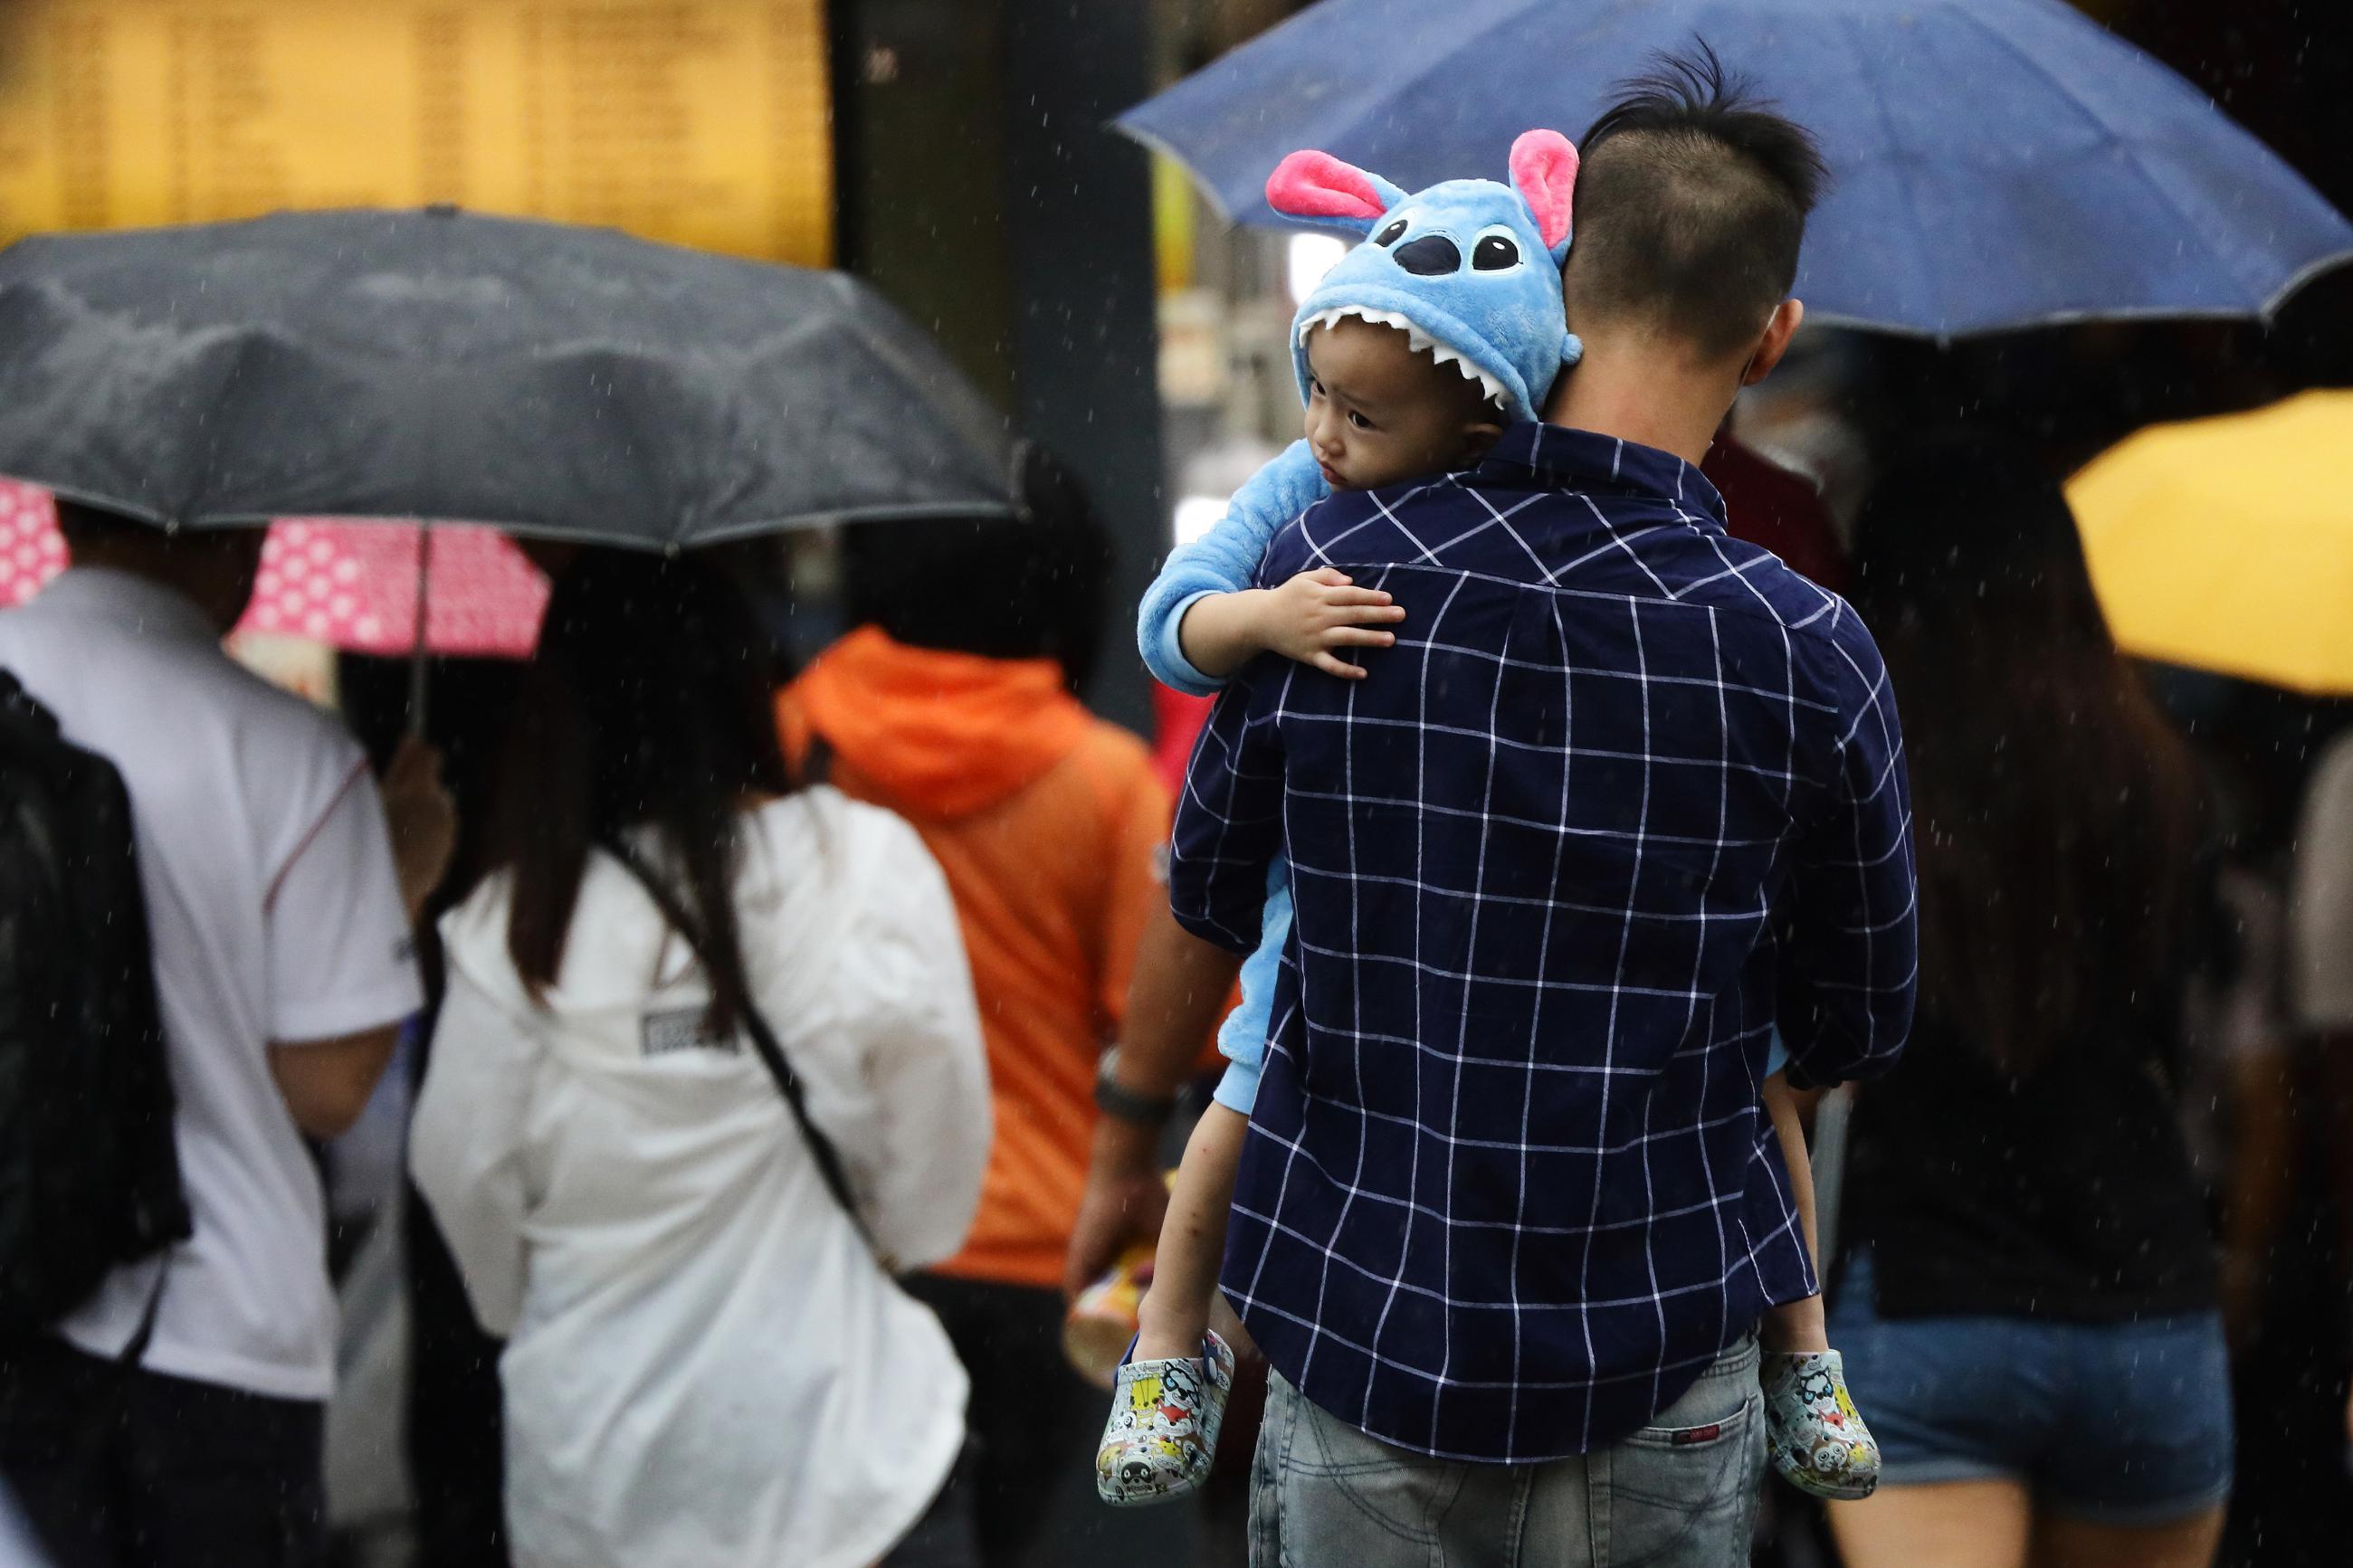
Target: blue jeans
1680	1493
2120	1424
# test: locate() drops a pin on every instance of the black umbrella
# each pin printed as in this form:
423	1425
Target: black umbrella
561	382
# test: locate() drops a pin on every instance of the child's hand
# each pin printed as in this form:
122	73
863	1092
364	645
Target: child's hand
1319	611
1305	619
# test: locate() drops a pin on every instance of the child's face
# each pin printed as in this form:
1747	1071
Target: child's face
1378	412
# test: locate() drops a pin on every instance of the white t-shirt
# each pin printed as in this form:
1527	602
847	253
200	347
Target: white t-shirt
704	1364
275	915
2320	916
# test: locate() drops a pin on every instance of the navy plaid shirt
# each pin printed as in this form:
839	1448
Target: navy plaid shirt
1626	792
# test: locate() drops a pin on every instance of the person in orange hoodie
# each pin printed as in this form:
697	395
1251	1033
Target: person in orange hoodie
951	704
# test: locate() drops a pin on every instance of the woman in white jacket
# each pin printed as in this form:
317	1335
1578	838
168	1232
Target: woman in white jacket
707	1365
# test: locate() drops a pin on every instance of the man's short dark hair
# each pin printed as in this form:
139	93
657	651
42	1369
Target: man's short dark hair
1690	205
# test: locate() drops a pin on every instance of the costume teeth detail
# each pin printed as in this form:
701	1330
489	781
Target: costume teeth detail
1420	341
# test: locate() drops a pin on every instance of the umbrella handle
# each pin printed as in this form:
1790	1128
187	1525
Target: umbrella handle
419	665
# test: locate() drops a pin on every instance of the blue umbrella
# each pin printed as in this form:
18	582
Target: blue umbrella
1995	163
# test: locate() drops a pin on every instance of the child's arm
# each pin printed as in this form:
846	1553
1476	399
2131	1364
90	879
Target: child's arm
1223	561
1305	619
1176	1312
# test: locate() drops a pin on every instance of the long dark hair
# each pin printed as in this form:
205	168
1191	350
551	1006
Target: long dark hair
647	706
2057	812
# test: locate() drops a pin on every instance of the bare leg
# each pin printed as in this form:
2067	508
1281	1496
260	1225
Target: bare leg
2073	1544
1174	1312
1795	1326
1949	1524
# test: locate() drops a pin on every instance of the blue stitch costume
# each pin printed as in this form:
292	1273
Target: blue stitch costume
1470	269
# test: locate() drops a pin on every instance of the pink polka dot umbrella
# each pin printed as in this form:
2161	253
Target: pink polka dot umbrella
350	585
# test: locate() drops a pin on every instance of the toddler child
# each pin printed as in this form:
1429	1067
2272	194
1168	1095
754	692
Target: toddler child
1411	354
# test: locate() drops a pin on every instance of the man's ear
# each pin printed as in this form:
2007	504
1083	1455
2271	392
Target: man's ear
1787	318
1478	438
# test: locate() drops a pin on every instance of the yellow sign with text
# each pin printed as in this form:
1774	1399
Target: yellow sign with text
704	122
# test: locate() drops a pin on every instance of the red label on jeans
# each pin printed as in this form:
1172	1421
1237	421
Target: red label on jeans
1698	1435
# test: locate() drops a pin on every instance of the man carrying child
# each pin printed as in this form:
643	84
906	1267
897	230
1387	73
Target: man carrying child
1623	795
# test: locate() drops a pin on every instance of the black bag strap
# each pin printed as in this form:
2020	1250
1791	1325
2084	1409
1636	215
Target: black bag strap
763	1039
135	1352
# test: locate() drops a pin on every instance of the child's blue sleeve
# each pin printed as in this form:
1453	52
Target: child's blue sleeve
1223	561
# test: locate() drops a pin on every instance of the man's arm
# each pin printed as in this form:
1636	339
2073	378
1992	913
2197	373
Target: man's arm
342	974
1229	817
1229	828
1180	987
1848	919
327	1083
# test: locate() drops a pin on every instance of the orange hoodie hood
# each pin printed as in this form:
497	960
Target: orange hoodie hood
942	735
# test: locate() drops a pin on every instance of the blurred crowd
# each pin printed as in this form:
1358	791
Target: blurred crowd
827	847
2180	1069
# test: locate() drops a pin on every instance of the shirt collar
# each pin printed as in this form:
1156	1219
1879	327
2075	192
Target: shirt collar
1562	458
140	603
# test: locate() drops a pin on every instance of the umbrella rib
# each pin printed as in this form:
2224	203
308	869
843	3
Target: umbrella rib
1443	62
1913	236
1321	143
2110	135
1152	142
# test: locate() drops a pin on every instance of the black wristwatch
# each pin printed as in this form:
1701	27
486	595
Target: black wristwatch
1142	1110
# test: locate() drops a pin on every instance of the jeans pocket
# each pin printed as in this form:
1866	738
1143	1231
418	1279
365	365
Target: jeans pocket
1347	1497
1686	1495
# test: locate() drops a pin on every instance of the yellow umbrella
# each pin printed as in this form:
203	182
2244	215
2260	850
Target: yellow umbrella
2227	544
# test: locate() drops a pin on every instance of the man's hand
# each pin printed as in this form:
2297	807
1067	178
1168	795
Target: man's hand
423	816
1126	1196
1306	619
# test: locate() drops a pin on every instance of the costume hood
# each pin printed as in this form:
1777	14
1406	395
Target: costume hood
1469	269
941	735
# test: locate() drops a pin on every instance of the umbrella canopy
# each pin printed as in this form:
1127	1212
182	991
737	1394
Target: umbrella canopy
1995	163
556	382
350	585
2227	544
353	586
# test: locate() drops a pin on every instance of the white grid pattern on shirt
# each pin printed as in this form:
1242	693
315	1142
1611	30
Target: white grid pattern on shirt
1351	1231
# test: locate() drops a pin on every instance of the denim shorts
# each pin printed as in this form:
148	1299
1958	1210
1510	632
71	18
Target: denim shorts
2119	1424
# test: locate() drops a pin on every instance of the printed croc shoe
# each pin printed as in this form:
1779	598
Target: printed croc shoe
1814	1434
1163	1431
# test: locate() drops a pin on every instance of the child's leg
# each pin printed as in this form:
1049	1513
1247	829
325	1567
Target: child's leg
1795	1326
1174	1311
1814	1437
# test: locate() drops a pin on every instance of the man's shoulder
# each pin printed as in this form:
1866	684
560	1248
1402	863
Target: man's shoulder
1731	573
1112	768
288	726
162	707
1416	522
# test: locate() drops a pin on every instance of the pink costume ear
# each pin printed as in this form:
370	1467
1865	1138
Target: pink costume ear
1320	188
1544	170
